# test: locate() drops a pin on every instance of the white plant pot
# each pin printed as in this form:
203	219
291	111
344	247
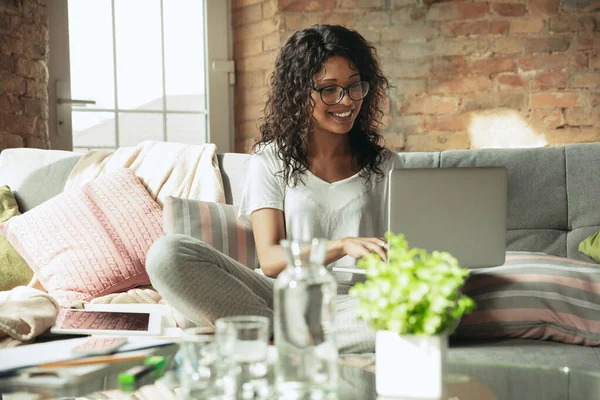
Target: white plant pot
410	366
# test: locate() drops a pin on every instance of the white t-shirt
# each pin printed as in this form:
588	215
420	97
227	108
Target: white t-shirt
334	210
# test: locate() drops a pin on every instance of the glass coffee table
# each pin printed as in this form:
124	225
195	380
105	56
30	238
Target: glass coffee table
354	383
464	380
357	381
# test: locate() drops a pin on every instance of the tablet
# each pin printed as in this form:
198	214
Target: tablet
107	322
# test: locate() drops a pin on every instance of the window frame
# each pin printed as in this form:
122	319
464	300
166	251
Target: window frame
218	80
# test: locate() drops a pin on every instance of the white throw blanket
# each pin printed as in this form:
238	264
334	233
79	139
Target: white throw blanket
24	314
165	169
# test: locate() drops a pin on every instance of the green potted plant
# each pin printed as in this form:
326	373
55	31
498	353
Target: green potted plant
413	301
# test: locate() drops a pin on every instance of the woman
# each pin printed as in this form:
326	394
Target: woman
318	155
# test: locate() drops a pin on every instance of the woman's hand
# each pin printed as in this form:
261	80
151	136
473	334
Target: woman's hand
357	247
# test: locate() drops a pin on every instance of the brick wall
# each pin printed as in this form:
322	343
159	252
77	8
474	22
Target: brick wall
467	74
257	35
23	74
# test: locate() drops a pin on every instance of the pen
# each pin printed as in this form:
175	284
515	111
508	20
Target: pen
93	360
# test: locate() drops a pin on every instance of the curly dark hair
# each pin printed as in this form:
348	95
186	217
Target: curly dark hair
287	113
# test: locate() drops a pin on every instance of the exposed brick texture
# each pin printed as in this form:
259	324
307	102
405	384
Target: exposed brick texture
258	29
23	74
450	62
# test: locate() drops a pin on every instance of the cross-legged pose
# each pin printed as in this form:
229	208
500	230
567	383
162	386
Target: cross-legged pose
320	155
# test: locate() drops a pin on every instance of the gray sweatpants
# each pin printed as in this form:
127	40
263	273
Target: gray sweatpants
204	285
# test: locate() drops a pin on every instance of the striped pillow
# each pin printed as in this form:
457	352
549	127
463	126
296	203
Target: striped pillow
215	224
535	296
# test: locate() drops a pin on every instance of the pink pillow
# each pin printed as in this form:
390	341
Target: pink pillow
89	241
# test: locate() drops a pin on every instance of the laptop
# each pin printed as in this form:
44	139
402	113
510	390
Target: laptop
458	210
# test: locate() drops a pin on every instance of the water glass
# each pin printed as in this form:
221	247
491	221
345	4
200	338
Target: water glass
203	374
244	342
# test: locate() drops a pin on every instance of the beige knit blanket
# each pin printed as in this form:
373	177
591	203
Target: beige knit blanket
139	295
24	314
165	169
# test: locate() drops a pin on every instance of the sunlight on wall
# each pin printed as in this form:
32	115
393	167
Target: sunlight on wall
503	129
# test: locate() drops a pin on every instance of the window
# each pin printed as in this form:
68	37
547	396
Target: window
141	70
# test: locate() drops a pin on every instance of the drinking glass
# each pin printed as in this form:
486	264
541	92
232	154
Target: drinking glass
243	341
203	373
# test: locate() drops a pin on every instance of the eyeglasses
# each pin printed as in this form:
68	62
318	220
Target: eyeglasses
331	95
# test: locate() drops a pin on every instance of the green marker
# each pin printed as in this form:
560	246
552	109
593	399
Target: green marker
140	375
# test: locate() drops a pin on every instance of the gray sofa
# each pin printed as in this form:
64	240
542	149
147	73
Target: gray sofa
553	203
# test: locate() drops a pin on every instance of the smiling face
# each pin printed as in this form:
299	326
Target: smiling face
340	117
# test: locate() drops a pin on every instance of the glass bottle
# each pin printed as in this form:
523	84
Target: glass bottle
304	305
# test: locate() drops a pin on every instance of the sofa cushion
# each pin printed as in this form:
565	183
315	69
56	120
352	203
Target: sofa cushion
14	271
590	246
35	175
89	241
533	174
215	224
233	171
8	204
535	296
583	184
